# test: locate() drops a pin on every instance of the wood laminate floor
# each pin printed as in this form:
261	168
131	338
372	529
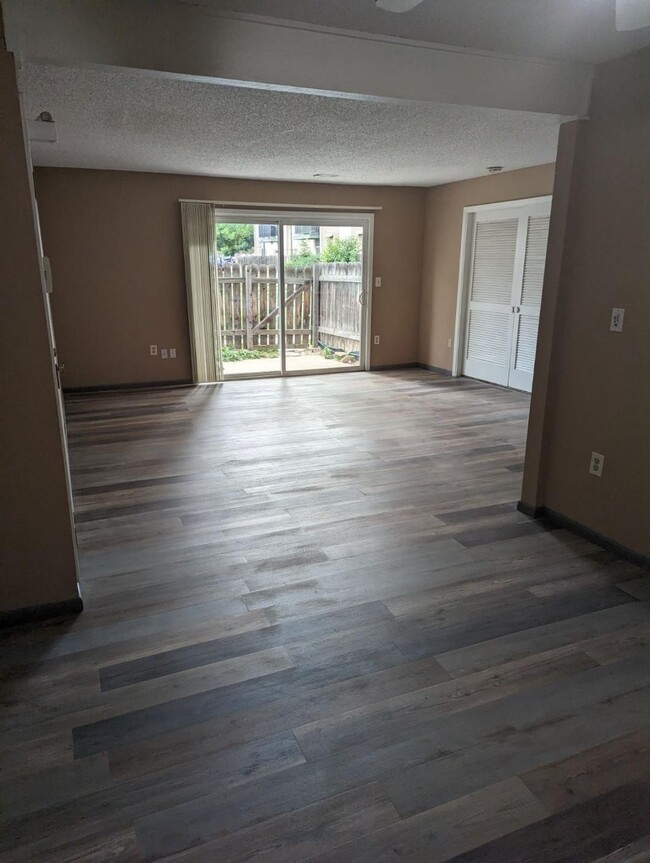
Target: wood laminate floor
317	629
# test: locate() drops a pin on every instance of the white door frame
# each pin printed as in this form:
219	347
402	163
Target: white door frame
465	269
364	220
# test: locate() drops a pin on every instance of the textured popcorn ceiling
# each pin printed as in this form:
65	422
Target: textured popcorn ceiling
574	30
128	121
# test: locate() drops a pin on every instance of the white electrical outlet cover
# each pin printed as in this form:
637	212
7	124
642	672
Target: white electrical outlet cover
596	464
153	350
616	322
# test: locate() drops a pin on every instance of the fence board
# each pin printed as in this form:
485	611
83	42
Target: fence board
321	304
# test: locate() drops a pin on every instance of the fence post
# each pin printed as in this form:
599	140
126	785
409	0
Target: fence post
249	306
315	304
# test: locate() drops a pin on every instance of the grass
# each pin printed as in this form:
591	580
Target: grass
235	355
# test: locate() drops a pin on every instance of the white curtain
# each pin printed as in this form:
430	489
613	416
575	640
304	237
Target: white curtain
199	242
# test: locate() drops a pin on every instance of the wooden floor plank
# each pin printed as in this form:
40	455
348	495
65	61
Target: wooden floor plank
448	830
595	771
302	833
577	835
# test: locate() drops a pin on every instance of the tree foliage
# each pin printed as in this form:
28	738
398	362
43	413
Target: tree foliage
232	239
342	249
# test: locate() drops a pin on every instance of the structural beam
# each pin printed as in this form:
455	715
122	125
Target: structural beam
183	40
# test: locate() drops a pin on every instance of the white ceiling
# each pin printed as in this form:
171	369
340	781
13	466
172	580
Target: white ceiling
576	30
128	121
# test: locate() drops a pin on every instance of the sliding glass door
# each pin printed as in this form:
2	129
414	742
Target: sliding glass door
249	297
324	296
293	297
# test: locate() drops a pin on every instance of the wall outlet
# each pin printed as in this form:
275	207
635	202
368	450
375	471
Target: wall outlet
596	464
172	353
448	343
378	281
375	341
616	322
153	350
163	353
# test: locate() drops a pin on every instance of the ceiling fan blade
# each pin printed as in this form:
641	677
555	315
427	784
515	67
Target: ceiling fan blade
632	14
397	5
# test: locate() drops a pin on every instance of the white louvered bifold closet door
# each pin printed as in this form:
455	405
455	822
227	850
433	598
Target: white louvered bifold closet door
488	334
504	293
528	304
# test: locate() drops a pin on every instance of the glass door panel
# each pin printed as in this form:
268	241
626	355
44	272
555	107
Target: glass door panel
249	298
324	295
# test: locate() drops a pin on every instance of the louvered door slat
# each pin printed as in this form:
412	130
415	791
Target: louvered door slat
536	242
494	260
526	343
488	336
529	302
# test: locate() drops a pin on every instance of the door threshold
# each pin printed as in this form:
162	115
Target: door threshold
293	374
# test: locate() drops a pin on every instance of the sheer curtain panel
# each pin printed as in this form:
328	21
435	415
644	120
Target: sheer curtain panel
199	242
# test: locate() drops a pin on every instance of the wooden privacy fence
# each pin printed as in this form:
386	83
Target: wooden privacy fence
321	304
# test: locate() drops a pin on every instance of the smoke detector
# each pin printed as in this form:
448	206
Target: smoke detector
494	169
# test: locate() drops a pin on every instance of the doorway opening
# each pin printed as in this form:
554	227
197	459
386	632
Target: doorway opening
500	291
293	292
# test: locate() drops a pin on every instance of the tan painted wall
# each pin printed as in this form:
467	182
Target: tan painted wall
599	390
560	244
442	239
36	539
114	241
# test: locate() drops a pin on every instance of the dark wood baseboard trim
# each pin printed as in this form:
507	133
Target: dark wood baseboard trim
35	613
530	510
147	385
385	367
594	536
436	369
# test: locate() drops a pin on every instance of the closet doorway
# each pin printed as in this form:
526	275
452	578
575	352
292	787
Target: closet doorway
500	291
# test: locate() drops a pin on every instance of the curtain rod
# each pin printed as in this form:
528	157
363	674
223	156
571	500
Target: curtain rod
276	206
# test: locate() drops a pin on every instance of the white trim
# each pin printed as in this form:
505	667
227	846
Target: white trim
461	293
360	209
465	269
509	205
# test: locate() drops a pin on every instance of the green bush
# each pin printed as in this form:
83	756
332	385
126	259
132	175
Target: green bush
234	355
345	250
304	258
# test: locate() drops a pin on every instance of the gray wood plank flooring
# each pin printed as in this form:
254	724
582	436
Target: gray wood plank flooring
316	628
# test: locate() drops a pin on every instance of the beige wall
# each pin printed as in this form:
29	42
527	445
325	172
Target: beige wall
442	239
114	241
599	388
36	539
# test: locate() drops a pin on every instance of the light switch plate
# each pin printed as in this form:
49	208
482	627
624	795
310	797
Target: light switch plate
378	281
163	353
172	353
616	323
